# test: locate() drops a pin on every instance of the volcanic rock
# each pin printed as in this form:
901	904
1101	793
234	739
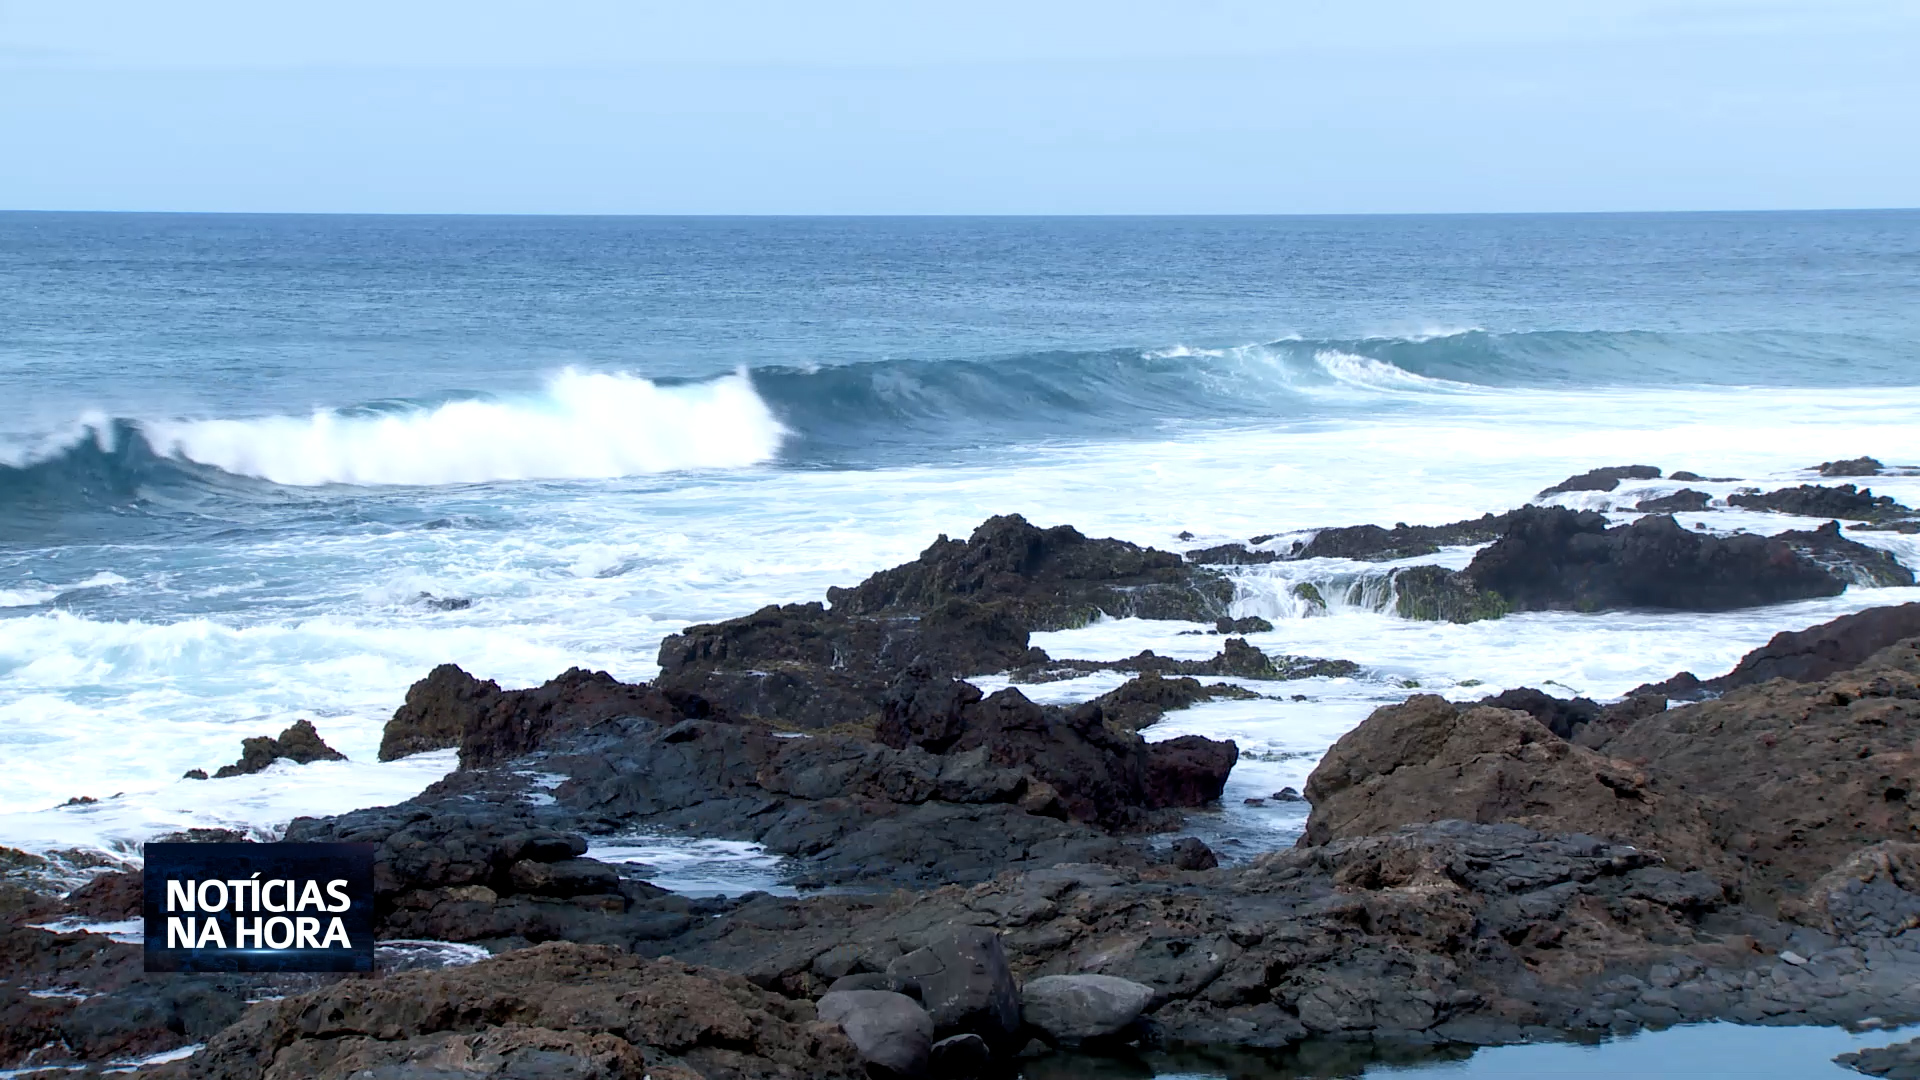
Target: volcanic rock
300	744
1429	760
1046	579
888	1029
1552	558
1372	543
1817	500
1686	499
1804	655
1560	715
1860	466
1232	555
1192	853
1073	1008
1847	559
1141	701
1605	479
1236	659
962	979
1434	593
110	897
1794	776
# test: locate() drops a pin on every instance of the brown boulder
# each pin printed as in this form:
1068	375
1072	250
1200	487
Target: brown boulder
1429	760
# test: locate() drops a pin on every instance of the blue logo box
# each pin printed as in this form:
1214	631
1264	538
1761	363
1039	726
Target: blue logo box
259	907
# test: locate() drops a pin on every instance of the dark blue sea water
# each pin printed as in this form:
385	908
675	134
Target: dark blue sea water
254	468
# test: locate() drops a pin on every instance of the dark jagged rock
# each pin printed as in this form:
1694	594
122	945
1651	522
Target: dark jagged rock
1817	652
82	998
1372	543
961	977
1141	701
516	722
490	725
1190	770
1818	500
1010	781
963	608
1232	555
462	870
109	897
1553	558
1901	1061
300	744
436	711
1192	853
1686	499
1046	579
1847	559
1560	715
1860	466
1434	593
803	666
1251	624
1605	479
559	1010
1236	659
204	836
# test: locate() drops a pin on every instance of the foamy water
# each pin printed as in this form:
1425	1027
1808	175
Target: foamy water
595	574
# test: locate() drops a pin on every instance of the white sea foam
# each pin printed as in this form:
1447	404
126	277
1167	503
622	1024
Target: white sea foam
1365	373
696	867
26	597
583	426
597	574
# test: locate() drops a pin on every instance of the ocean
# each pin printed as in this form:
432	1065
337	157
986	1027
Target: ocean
260	468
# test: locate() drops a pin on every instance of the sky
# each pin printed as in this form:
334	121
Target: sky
986	107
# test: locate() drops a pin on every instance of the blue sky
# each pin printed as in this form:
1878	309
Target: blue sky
1203	106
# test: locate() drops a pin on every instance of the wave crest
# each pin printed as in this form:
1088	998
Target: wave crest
583	426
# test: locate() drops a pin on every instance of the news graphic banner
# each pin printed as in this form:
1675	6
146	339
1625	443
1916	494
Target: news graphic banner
259	907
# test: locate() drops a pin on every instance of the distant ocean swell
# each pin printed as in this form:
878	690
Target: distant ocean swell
586	425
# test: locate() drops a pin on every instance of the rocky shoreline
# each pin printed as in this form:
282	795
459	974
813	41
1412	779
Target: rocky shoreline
984	880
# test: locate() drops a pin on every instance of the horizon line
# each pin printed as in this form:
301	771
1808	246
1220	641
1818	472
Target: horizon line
1003	215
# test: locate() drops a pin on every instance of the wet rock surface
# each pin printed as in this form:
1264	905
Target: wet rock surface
300	744
1603	479
1554	559
1860	466
1682	501
1823	500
